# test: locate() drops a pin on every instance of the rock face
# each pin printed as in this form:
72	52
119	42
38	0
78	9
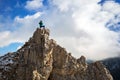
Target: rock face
42	58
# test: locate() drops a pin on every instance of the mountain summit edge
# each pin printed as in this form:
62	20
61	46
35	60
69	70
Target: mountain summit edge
42	58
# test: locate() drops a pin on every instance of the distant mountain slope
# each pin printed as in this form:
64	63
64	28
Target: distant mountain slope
113	65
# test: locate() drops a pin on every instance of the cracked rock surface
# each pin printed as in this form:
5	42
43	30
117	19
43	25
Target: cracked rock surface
42	58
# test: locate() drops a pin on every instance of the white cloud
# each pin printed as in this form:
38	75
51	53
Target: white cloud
4	36
112	7
24	29
73	4
81	27
34	4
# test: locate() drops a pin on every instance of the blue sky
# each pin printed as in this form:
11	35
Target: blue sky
86	27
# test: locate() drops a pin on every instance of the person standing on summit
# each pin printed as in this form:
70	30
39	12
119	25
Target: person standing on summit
41	24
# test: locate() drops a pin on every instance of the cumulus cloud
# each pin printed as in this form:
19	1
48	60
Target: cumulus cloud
81	26
34	4
25	28
4	37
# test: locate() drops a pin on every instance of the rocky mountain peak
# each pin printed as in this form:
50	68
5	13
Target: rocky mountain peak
40	35
42	58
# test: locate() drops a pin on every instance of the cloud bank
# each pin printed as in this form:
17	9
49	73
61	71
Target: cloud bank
86	29
23	29
34	4
83	27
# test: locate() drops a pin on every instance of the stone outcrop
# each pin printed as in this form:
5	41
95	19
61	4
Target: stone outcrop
42	58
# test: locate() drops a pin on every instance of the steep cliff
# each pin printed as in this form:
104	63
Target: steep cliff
42	58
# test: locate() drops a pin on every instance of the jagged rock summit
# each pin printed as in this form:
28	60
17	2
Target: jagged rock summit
42	58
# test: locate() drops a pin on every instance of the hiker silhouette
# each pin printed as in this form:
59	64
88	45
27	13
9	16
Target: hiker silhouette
41	24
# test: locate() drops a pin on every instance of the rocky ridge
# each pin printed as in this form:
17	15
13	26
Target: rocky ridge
42	58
